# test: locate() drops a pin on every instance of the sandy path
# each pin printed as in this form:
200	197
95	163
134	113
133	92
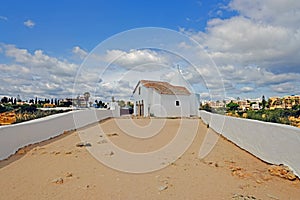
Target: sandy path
226	171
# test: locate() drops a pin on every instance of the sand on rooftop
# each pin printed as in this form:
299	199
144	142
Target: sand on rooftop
58	169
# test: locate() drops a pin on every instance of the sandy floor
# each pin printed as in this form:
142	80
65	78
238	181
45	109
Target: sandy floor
61	170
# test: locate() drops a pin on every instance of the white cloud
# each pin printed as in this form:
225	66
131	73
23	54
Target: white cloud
139	59
247	89
3	18
275	12
79	52
6	69
29	23
121	89
285	88
260	46
36	74
39	61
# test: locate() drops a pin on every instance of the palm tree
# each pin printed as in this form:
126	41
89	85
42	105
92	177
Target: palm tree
86	98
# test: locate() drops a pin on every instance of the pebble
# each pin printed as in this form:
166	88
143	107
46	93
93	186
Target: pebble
162	187
282	171
58	181
21	151
55	152
112	134
258	181
243	197
83	144
111	153
69	174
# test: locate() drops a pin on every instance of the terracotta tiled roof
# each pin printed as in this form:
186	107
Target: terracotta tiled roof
165	88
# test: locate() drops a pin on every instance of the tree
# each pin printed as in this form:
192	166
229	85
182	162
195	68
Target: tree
206	107
100	104
263	102
86	96
129	104
19	98
121	103
232	106
4	100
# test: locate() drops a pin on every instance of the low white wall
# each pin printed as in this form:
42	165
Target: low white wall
273	143
13	137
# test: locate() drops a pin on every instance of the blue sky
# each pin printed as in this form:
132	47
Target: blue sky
61	24
254	44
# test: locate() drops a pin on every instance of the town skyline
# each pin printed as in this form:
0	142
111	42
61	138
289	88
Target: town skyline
93	98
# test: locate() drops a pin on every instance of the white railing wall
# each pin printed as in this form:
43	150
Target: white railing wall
13	137
271	142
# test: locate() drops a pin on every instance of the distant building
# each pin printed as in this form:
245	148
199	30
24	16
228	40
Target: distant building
286	102
162	99
79	102
244	105
255	106
215	104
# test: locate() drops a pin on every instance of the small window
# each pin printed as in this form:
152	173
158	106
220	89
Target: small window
139	90
177	103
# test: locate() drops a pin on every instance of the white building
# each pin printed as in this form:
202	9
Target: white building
161	99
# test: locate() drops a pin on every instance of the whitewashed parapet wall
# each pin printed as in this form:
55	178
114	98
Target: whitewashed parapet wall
13	137
273	143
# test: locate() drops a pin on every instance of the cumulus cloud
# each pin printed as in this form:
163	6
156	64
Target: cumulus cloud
275	12
79	52
247	89
139	59
120	89
284	88
36	74
29	23
259	46
39	61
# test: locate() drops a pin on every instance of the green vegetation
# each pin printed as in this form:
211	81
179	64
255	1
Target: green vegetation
207	108
27	112
276	116
30	112
4	108
232	106
263	102
100	104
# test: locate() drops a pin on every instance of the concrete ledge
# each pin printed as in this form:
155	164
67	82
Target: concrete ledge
13	137
272	143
